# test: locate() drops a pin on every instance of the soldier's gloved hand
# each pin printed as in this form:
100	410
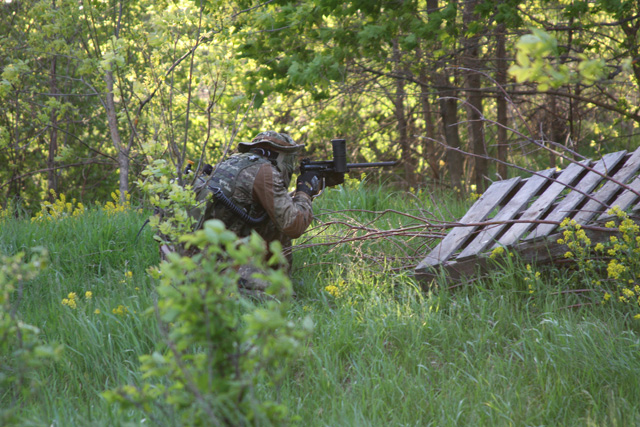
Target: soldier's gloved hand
308	183
333	178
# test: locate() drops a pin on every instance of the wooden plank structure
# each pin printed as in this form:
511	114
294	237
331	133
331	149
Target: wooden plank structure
522	215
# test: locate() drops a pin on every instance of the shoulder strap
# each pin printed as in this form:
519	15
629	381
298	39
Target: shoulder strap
222	185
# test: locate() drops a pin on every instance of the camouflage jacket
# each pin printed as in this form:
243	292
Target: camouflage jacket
255	185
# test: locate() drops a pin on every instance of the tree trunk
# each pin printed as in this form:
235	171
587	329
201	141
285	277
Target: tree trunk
448	105
501	102
631	29
429	141
401	120
430	144
15	188
123	151
449	113
556	125
53	136
471	61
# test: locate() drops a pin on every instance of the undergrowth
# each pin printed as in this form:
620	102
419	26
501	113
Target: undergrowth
520	346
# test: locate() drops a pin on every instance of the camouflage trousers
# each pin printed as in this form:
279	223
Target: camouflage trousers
248	283
251	285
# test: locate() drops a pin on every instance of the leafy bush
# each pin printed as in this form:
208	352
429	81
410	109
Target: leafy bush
219	345
608	269
611	267
22	351
173	202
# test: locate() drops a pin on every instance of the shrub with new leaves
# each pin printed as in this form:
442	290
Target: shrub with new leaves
218	343
535	63
613	266
22	351
171	201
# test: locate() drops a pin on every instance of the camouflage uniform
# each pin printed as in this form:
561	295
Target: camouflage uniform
256	181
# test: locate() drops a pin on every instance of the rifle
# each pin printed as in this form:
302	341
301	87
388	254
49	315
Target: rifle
331	172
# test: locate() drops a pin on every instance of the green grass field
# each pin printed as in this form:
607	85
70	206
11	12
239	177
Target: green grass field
383	352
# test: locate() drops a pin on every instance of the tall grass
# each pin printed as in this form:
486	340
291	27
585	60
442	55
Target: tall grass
493	352
91	253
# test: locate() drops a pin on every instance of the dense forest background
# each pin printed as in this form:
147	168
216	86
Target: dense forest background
92	91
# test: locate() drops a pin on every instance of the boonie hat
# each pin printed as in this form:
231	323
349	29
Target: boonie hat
277	141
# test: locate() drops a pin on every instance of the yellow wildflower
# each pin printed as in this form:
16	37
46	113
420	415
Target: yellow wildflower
629	226
499	250
581	235
70	300
58	210
121	310
333	290
71	303
88	295
614	269
474	196
116	205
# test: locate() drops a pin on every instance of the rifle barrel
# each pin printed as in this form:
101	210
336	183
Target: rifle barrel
370	165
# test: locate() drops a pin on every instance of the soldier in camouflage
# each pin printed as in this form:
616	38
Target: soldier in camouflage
250	192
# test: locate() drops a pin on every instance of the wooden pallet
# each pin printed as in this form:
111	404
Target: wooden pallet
523	214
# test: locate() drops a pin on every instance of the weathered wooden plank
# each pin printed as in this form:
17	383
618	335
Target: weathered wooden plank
624	200
478	212
472	259
509	211
593	207
573	199
541	205
542	251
